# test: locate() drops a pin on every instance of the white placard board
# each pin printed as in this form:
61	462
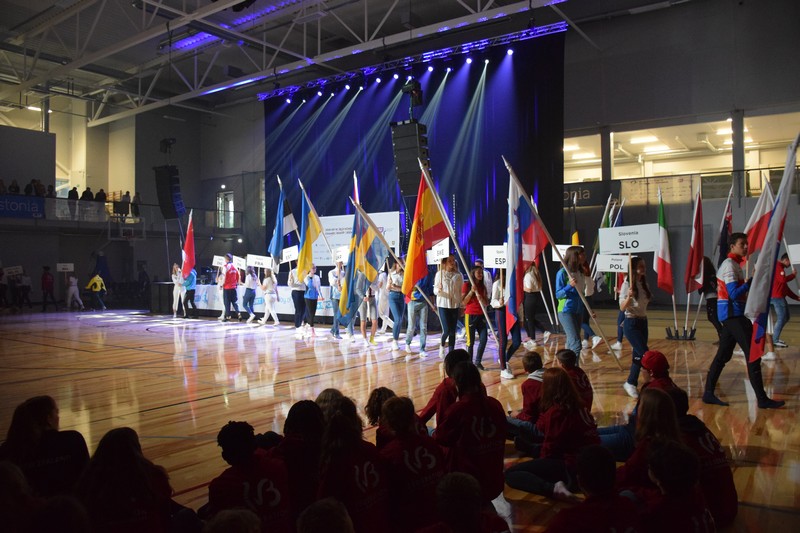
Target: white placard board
290	254
629	239
561	248
13	271
239	262
218	261
439	251
794	253
65	267
342	253
259	261
612	263
495	256
339	230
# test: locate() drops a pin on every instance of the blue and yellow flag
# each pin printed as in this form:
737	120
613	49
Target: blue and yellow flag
367	255
310	230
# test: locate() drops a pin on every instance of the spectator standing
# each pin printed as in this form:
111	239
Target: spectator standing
72	201
24	290
87	195
780	290
135	203
48	287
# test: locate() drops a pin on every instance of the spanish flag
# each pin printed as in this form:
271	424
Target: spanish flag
309	232
427	230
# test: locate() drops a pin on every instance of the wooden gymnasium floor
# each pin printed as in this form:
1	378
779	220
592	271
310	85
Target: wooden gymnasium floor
176	382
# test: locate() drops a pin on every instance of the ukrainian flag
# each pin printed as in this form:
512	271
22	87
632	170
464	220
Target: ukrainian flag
310	230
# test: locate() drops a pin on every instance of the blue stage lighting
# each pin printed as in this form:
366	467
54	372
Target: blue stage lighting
449	69
288	100
510	52
347	86
319	93
377	80
396	76
485	61
469	61
430	69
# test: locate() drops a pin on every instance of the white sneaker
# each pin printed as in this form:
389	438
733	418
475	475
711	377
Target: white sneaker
769	356
780	344
350	337
441	352
545	337
584	344
251	318
423	354
263	322
461	333
174	315
298	332
561	492
530	345
221	317
506	374
597	339
632	391
408	348
616	346
738	351
395	346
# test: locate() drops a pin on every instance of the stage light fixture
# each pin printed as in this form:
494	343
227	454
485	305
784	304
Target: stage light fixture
347	86
377	80
239	240
361	88
449	69
332	95
319	93
485	61
409	78
304	100
510	52
288	100
430	69
469	61
396	76
222	186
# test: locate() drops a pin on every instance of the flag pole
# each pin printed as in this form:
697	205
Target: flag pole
322	230
722	224
597	237
296	231
380	236
697	202
429	181
554	318
560	258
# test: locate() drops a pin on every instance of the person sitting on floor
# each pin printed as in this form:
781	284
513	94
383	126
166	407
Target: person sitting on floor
522	427
568	360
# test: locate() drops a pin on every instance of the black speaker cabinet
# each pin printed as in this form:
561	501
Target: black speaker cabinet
409	142
168	189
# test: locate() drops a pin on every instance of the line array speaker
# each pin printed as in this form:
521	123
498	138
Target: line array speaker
409	142
168	189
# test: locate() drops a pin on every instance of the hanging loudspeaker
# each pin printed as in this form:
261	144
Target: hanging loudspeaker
168	189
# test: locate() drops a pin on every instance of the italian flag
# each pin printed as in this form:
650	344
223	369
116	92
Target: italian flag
663	264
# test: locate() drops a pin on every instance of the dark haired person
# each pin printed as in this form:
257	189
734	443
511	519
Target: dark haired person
229	286
732	291
568	360
634	297
777	301
570	284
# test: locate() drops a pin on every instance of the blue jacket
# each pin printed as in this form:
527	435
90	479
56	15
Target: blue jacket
191	281
569	300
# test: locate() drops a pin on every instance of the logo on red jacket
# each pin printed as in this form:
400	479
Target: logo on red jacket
421	455
366	476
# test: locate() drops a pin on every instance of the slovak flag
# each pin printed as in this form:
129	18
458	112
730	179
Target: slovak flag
188	250
526	241
757	306
756	228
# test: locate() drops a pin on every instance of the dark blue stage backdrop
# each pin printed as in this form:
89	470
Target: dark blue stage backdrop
512	106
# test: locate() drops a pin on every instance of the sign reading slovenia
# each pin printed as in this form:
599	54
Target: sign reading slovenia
629	239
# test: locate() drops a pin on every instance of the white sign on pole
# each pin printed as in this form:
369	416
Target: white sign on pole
259	261
289	254
218	261
342	253
494	256
65	267
629	239
794	253
612	263
13	271
561	248
339	230
239	262
438	252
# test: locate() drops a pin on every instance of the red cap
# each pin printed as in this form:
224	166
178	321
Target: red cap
655	362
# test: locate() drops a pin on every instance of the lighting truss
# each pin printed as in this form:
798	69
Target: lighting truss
424	57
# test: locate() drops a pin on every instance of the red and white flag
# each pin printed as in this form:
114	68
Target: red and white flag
188	249
756	228
757	306
663	263
694	263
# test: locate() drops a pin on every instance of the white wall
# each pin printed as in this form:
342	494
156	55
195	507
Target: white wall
122	156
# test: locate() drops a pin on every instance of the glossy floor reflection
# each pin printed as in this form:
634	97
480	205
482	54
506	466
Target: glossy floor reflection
176	382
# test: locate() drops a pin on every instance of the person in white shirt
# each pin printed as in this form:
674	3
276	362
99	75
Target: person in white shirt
369	309
73	293
383	300
447	288
270	287
177	290
532	288
397	301
634	297
249	298
335	278
298	299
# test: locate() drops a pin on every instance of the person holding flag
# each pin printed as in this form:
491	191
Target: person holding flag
569	281
732	290
188	271
634	297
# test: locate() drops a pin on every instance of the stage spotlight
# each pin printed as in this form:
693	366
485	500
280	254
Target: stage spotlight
396	76
377	80
319	93
288	100
430	69
510	52
347	86
222	186
239	240
449	69
485	61
332	95
361	88
409	78
304	100
469	61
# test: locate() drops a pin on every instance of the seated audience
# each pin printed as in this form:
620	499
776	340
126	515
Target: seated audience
473	432
445	393
568	427
522	427
234	521
51	460
325	516
462	508
373	411
327	401
17	502
568	360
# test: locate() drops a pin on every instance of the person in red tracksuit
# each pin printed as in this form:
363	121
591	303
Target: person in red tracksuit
415	464
445	393
679	505
522	428
569	362
568	427
461	508
352	470
716	476
254	480
780	290
474	432
603	510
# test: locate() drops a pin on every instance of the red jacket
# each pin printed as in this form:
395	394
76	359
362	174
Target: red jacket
473	306
360	481
716	477
582	383
531	395
231	277
443	397
262	486
302	466
415	464
633	475
780	287
474	433
566	433
598	514
685	512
